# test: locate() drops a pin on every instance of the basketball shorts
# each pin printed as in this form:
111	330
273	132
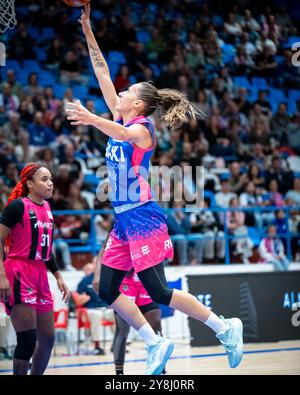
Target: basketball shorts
29	285
139	239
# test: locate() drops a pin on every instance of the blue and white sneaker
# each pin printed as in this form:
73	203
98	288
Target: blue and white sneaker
158	355
232	340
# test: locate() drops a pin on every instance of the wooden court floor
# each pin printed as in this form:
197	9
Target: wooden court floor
262	359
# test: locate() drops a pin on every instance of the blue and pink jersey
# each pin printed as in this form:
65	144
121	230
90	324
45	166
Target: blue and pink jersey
139	237
128	169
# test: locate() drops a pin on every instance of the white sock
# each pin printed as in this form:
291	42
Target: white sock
147	333
215	323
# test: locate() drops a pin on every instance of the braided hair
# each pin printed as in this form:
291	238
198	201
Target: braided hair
21	189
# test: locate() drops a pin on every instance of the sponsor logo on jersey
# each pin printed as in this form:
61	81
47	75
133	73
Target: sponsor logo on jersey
41	224
50	214
135	255
168	244
30	300
38	255
145	250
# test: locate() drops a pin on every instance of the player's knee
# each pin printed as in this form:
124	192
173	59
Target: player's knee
108	295
162	297
26	342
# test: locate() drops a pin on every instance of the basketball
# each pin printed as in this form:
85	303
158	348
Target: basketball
76	3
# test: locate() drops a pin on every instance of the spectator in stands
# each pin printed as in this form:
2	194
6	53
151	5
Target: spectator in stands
179	225
213	241
271	250
244	105
293	134
8	101
70	69
294	228
63	180
272	29
55	54
294	194
249	23
225	195
156	45
15	87
249	198
32	88
48	158
264	103
273	197
40	135
73	165
96	309
232	29
257	116
237	180
24	151
122	81
13	128
236	226
279	123
10	177
284	178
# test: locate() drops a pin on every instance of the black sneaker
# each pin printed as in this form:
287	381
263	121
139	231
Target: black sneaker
98	351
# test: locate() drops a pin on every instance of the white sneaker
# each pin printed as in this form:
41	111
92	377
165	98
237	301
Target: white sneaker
158	355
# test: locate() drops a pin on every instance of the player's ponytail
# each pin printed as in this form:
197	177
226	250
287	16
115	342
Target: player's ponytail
175	108
21	189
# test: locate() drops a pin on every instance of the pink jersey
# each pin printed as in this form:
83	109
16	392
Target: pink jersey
32	237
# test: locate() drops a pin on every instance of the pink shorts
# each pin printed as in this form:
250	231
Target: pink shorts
139	239
135	291
29	285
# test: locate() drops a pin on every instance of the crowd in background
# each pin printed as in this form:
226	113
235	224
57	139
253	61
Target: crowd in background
229	60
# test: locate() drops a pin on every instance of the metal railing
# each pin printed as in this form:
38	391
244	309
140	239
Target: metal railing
91	244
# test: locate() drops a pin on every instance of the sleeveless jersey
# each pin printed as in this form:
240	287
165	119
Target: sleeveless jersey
32	237
128	169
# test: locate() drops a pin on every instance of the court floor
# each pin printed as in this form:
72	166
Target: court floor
260	358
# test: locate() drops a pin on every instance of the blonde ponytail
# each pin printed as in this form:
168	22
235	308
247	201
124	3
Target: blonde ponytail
173	106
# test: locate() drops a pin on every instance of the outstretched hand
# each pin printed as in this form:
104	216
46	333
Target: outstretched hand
85	19
79	114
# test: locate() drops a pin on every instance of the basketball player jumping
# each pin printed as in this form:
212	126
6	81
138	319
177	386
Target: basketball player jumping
140	237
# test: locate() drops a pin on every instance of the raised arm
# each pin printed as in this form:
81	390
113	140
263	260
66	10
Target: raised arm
99	64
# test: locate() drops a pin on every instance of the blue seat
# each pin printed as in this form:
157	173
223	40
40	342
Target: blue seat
156	70
242	82
41	54
33	65
292	107
294	94
12	64
80	92
59	90
48	33
93	82
277	94
260	83
22	76
143	36
113	68
117	57
46	78
100	105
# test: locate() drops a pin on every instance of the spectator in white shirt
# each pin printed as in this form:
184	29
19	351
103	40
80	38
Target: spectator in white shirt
271	250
